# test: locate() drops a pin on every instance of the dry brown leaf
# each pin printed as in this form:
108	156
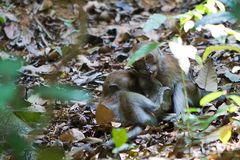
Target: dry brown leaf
149	3
11	31
103	115
207	78
46	4
72	135
44	69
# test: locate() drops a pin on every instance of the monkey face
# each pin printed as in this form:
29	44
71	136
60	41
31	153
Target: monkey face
119	80
147	65
151	64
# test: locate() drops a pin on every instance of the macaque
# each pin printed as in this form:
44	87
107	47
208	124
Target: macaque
120	80
134	99
166	70
137	109
163	67
131	80
143	96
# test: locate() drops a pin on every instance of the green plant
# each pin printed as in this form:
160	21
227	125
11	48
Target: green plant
188	19
16	120
198	125
211	49
2	19
143	51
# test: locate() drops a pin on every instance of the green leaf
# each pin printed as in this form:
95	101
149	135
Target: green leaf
9	67
235	98
197	16
154	22
211	97
232	109
201	9
2	19
62	92
50	153
216	18
18	144
33	119
205	123
210	49
143	51
198	59
234	5
119	136
6	94
186	17
192	110
225	133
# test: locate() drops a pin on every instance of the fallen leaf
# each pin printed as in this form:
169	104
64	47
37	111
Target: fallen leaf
72	135
11	31
44	69
103	115
82	59
207	77
235	69
218	32
46	4
84	79
232	77
154	22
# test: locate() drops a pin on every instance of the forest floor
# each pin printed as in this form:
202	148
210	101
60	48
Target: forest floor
63	44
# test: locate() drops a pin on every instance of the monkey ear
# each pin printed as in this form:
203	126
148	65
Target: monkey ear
113	87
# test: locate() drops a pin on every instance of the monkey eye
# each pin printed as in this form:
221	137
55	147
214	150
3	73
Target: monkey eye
149	59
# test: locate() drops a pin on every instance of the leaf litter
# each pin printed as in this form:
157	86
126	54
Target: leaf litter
34	30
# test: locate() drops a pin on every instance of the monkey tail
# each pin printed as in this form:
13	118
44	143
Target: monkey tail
179	100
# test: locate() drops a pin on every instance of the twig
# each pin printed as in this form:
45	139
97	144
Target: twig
43	28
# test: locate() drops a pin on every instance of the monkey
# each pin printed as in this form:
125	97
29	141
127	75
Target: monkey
165	68
142	96
152	73
130	95
135	99
137	109
120	80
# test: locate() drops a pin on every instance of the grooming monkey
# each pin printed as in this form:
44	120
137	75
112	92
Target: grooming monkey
166	70
142	96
